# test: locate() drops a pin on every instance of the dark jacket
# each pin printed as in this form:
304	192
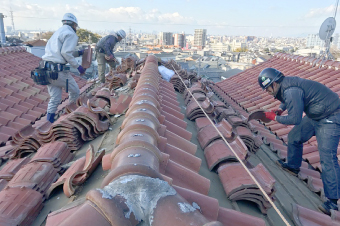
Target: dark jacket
300	95
106	44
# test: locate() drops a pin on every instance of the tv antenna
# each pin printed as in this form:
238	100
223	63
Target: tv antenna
325	33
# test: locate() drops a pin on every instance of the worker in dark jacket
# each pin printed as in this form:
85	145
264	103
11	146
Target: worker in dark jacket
322	108
104	49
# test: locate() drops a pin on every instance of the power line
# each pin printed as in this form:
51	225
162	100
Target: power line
206	25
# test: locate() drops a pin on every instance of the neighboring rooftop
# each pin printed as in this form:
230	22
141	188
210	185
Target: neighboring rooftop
35	43
22	102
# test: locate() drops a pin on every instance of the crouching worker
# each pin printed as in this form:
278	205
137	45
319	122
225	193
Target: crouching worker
322	120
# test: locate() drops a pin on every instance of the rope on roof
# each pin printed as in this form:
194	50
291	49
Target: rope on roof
238	158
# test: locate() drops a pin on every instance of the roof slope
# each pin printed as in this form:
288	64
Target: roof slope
244	89
21	101
243	92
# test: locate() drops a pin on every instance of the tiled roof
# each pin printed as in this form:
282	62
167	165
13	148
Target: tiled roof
152	162
243	94
153	173
21	101
245	91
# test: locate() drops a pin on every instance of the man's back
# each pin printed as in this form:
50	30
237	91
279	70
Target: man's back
61	45
319	100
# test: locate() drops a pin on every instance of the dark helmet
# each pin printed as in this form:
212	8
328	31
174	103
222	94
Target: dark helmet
268	76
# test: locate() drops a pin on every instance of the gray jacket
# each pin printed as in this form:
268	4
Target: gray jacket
106	45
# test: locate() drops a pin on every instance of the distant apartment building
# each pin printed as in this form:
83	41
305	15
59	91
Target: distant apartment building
179	40
199	38
314	40
166	38
336	40
236	44
220	47
250	38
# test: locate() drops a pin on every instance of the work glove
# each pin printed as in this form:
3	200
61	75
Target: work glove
81	52
270	115
81	69
278	111
110	58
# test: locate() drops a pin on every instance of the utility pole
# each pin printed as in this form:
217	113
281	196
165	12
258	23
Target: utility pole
12	19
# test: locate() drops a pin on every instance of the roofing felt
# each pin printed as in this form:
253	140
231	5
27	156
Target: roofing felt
22	102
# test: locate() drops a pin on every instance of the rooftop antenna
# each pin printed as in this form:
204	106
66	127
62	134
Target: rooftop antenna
325	33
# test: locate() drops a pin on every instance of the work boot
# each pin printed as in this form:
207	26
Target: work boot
50	117
285	167
327	206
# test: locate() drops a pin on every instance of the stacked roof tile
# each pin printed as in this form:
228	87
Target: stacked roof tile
21	101
235	129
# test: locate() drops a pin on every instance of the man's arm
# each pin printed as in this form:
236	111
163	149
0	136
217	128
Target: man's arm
283	106
294	102
67	50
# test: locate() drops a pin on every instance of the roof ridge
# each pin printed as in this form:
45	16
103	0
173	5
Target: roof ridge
311	60
12	49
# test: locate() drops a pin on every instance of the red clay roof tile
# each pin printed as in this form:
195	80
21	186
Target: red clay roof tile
19	206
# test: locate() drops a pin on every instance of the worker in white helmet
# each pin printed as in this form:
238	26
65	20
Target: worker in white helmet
59	51
104	50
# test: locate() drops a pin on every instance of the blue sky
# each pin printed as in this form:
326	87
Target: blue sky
290	18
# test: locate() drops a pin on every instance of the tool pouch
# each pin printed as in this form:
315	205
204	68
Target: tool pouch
40	76
52	74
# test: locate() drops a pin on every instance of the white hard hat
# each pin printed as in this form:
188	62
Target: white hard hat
70	17
121	33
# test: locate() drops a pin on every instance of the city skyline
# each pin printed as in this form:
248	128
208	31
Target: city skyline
239	18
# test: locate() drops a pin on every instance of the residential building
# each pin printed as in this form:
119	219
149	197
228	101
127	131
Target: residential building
179	40
200	38
314	40
220	47
36	47
236	44
166	38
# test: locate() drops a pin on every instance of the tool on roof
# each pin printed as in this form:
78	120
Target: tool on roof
260	114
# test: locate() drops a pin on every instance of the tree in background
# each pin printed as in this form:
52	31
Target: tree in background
47	35
241	50
87	36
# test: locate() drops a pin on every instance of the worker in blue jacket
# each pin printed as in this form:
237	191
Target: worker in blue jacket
322	108
104	52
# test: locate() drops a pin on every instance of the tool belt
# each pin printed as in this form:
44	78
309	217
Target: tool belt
47	69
